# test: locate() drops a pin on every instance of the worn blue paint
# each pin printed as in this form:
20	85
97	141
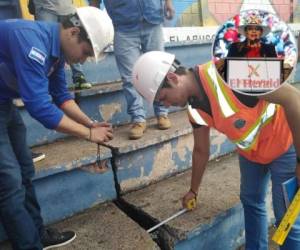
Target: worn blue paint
37	134
224	232
69	166
64	194
137	165
181	164
188	54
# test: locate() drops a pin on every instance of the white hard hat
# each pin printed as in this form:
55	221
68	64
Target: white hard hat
98	27
149	71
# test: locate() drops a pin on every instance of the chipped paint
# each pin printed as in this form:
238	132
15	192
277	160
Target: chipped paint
139	181
217	139
163	164
96	168
107	111
184	145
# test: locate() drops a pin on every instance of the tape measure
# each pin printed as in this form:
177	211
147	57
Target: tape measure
191	204
288	220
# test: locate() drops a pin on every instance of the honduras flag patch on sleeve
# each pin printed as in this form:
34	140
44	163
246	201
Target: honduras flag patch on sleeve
37	55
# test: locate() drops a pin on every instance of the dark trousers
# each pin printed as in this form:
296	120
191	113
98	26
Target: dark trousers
19	209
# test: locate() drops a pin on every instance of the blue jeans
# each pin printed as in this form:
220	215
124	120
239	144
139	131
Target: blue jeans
47	16
19	209
128	46
254	185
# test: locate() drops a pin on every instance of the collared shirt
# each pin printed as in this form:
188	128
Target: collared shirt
32	67
129	15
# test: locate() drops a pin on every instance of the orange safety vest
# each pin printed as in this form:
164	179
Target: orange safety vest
261	133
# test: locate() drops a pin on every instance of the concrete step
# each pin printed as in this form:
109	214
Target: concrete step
216	223
104	227
68	175
217	219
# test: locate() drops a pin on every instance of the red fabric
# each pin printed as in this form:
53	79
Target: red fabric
254	52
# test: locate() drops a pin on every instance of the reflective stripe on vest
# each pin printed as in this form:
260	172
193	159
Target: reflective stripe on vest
226	108
251	135
196	116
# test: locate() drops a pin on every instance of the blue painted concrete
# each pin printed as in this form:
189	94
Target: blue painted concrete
138	168
65	194
106	70
69	166
37	134
90	105
225	232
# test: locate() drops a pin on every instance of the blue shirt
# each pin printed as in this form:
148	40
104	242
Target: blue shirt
32	68
128	15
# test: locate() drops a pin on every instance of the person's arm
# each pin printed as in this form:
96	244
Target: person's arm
199	161
29	60
72	110
289	98
169	9
74	117
95	134
62	97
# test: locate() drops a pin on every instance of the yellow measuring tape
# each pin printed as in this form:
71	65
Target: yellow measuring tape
288	220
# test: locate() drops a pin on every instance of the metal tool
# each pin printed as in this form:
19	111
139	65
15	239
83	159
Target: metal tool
100	166
98	160
288	220
191	205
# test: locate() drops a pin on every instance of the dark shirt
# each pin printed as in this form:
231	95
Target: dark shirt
240	49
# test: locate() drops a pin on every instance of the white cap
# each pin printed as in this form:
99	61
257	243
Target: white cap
98	27
149	71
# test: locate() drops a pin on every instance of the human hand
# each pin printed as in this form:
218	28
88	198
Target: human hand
100	134
189	200
169	10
